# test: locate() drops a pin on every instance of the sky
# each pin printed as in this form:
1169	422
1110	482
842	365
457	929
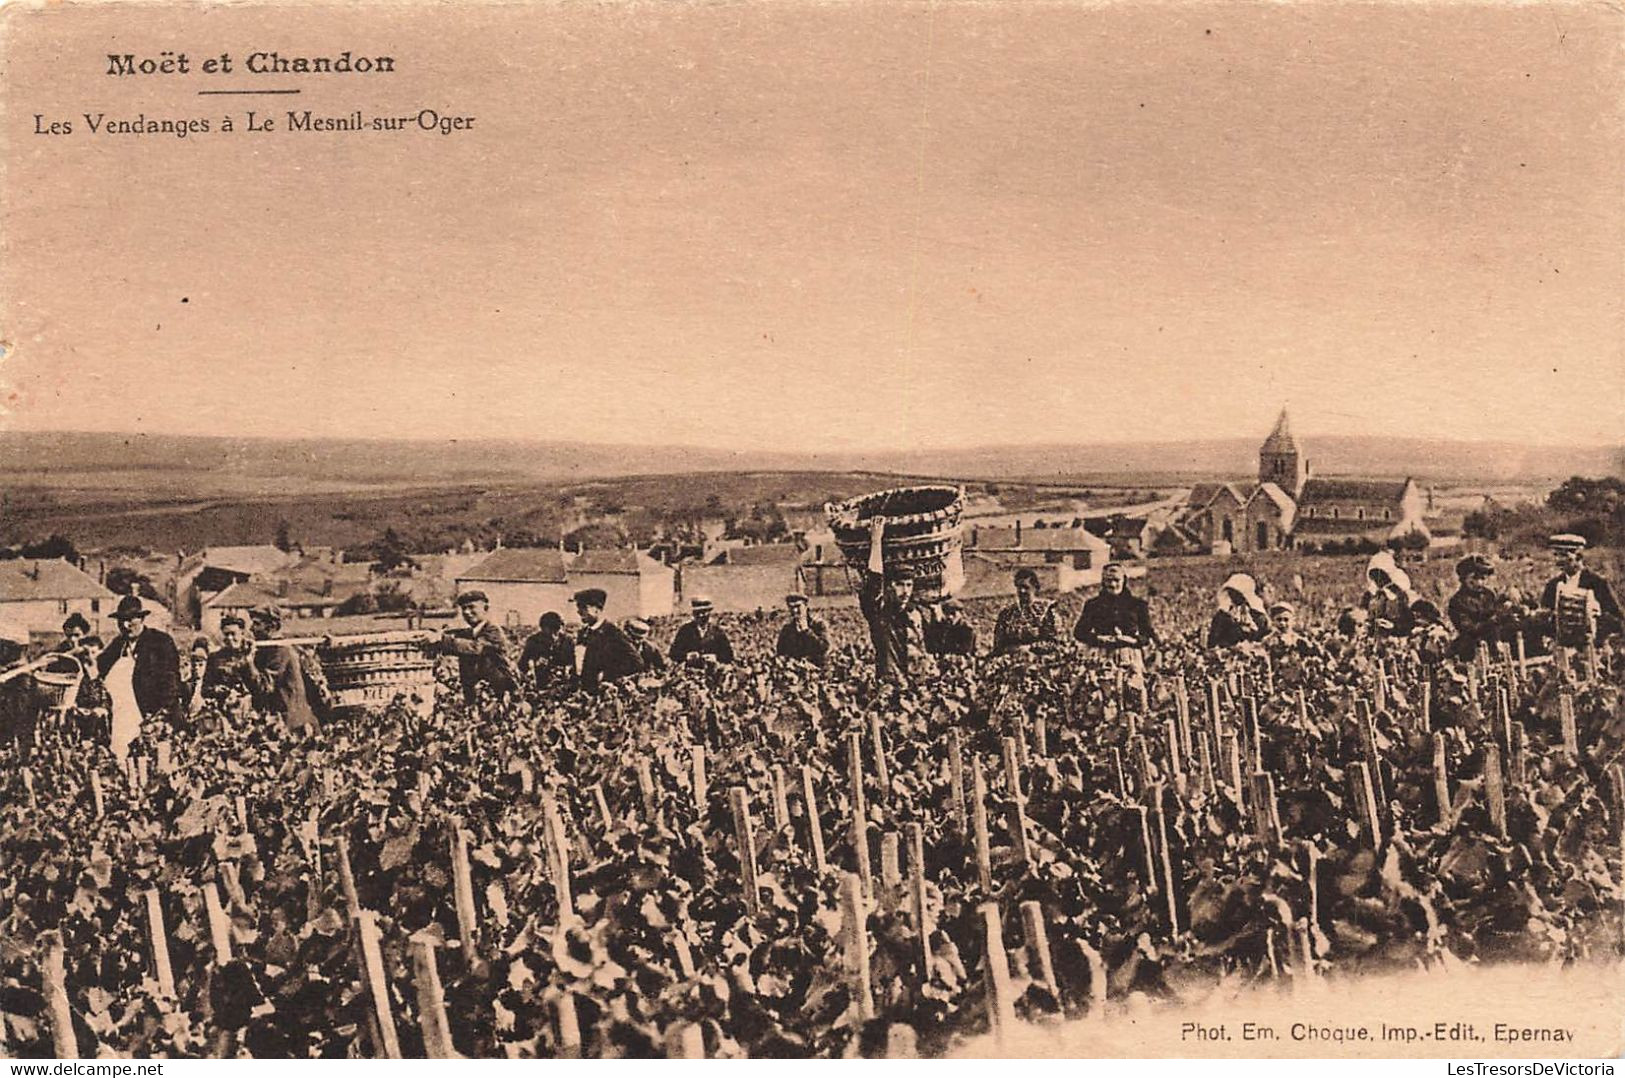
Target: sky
834	226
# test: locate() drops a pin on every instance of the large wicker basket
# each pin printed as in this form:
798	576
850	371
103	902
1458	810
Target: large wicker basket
371	673
922	533
57	690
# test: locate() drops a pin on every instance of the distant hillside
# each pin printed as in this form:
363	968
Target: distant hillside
223	466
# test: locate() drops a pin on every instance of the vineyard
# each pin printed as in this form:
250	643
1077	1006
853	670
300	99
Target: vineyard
772	860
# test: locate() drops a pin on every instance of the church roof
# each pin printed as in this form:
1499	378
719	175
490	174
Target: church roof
1370	491
1280	439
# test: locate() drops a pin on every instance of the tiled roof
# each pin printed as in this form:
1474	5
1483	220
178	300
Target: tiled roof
23	579
1282	500
1063	540
1378	491
530	565
761	554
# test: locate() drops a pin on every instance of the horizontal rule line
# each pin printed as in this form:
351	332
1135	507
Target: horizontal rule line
202	93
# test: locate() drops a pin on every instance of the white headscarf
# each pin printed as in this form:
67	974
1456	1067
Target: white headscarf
1397	577
1242	585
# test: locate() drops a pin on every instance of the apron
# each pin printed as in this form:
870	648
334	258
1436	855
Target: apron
120	682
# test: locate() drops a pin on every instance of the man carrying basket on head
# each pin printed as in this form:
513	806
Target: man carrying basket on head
896	623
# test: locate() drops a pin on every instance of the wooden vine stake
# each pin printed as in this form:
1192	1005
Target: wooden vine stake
1182	715
781	802
372	966
1040	735
1140	834
605	817
1571	738
646	786
1215	723
1255	738
1012	768
1117	772
745	835
1495	790
431	998
1365	803
1266	822
1176	763
1427	705
815	828
1518	758
64	1042
956	779
1039	960
1367	728
219	924
860	811
1095	991
569	1026
558	845
1441	783
468	922
97	798
697	756
1001	1000
1230	760
685	1040
882	772
158	939
916	898
1165	866
855	944
984	856
28	787
891	870
352	900
1204	750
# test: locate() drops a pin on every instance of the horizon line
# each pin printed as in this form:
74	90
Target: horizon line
794	451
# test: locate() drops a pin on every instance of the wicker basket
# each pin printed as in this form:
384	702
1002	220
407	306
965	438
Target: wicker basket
922	533
371	674
58	691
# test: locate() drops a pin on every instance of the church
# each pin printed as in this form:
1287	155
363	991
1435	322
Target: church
1288	507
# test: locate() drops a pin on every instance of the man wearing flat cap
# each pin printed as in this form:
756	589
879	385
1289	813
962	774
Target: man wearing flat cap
141	669
288	680
1579	600
481	648
637	631
700	638
1480	614
803	637
604	653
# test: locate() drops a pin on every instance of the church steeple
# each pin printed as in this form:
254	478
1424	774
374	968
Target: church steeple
1279	461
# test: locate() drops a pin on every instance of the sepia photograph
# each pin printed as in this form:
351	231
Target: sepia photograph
791	529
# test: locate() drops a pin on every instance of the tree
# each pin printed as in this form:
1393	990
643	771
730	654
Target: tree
284	537
1594	497
56	546
392	553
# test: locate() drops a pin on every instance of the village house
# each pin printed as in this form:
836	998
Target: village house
1073	555
1334	512
638	585
744	578
317	587
522	583
38	594
210	571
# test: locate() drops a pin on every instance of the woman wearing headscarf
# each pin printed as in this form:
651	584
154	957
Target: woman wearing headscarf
1388	596
1240	618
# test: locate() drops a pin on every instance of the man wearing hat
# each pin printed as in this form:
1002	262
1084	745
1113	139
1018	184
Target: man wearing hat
1577	583
231	667
549	657
637	631
142	671
803	637
700	637
481	649
1479	613
603	650
896	623
950	633
288	680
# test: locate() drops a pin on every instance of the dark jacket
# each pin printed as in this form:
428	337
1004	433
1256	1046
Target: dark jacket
649	655
896	631
1608	619
1481	617
1224	631
482	656
809	645
229	672
608	656
944	637
157	678
289	682
549	662
691	641
1107	613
